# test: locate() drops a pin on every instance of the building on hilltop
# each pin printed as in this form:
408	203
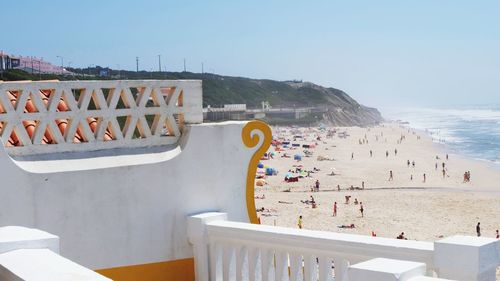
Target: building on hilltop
30	64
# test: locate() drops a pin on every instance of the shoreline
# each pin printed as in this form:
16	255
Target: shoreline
444	148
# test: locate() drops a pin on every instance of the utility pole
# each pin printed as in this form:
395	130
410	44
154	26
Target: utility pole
119	71
62	64
136	64
69	64
201	68
159	63
184	65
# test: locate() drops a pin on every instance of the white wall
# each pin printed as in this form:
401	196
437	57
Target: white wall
131	214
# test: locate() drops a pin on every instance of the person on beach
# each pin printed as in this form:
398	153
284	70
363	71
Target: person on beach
408	163
386	153
425	178
478	229
335	209
498	234
317	186
299	224
436	166
356	201
362	185
390	176
347	198
396	152
361	209
338	187
371	153
413	163
446	156
352	156
402	236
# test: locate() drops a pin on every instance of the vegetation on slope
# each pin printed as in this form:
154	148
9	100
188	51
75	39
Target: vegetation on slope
219	90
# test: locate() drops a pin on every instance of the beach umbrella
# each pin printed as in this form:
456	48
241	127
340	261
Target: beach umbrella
260	166
269	171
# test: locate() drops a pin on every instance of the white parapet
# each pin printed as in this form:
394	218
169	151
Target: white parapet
17	237
30	254
42	265
381	269
117	211
467	258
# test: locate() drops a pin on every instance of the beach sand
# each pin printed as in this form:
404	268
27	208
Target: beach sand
439	207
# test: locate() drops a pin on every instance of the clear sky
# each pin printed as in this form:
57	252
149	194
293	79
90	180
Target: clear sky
383	53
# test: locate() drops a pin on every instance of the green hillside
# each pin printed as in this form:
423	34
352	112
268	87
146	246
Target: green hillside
219	90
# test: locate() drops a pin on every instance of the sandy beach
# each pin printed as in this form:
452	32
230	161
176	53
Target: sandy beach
440	206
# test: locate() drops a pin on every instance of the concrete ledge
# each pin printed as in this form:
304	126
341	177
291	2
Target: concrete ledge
425	278
42	264
467	258
381	269
17	237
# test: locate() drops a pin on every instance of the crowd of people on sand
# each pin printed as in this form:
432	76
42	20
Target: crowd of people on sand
315	187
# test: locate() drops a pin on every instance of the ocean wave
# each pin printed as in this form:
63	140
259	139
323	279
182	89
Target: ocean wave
470	131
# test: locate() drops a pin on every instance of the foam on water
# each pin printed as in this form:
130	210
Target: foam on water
474	132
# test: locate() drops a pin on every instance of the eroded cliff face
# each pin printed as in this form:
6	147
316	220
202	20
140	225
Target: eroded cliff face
342	109
353	116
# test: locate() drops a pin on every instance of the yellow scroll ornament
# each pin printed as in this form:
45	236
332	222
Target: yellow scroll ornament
251	139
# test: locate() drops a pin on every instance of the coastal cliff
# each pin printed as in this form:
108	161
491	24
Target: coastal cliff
337	108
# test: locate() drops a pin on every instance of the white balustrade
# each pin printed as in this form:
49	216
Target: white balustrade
53	116
242	251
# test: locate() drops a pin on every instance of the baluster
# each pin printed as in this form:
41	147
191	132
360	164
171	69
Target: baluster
228	263
325	268
215	262
340	269
267	258
296	267
281	266
254	268
310	268
241	263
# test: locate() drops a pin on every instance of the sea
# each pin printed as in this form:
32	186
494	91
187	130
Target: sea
471	131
